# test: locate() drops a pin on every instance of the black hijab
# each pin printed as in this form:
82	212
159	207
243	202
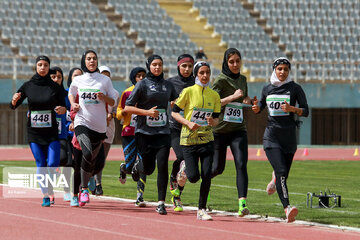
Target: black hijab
225	67
184	58
69	81
83	65
149	73
53	70
133	73
41	80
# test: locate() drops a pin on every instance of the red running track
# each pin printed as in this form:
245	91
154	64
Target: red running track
113	219
116	153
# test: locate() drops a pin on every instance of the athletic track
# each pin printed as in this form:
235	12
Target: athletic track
116	153
110	218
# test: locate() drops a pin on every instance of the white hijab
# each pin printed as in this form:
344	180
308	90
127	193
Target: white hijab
274	79
276	82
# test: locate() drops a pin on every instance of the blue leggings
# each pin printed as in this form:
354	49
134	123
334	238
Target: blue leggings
46	156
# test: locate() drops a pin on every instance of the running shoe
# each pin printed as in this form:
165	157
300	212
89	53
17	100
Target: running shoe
67	197
122	177
178	207
46	202
92	185
161	209
243	210
291	213
135	172
202	215
52	199
174	189
81	204
98	190
84	196
271	187
140	202
181	175
74	202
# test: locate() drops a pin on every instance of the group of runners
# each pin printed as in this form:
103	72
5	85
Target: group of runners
199	120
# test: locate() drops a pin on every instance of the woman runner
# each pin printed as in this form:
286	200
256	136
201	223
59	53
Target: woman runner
95	90
128	137
45	99
281	97
149	101
231	130
183	80
201	106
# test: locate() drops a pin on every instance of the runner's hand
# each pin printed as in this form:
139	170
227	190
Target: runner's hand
15	98
75	107
152	112
100	96
60	110
238	94
255	107
286	107
211	121
193	126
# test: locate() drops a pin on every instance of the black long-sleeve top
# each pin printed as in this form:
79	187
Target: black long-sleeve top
281	129
42	95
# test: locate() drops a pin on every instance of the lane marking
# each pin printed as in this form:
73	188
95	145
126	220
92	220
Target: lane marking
75	225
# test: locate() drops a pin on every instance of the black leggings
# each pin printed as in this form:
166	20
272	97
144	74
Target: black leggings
281	163
66	153
175	144
239	147
91	144
99	165
192	154
154	149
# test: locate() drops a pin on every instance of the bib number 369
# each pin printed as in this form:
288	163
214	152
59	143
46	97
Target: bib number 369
233	112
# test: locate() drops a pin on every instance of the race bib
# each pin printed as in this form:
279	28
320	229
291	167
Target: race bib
133	120
40	119
59	125
199	116
88	96
233	112
159	121
274	104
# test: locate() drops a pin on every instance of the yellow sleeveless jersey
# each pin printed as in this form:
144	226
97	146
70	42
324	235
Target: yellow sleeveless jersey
198	103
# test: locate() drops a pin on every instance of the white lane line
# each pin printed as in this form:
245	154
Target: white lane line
75	225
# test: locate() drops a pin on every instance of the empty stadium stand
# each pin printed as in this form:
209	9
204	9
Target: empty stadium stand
321	37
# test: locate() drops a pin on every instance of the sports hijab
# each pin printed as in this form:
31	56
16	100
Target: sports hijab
225	67
274	79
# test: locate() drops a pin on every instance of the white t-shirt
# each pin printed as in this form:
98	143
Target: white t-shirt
92	113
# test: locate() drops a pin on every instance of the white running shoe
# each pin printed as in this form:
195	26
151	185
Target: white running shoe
181	175
202	215
271	187
291	213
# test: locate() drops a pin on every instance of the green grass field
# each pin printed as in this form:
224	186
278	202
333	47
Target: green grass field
341	177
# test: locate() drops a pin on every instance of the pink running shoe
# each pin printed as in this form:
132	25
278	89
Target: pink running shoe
271	187
84	196
291	213
181	175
